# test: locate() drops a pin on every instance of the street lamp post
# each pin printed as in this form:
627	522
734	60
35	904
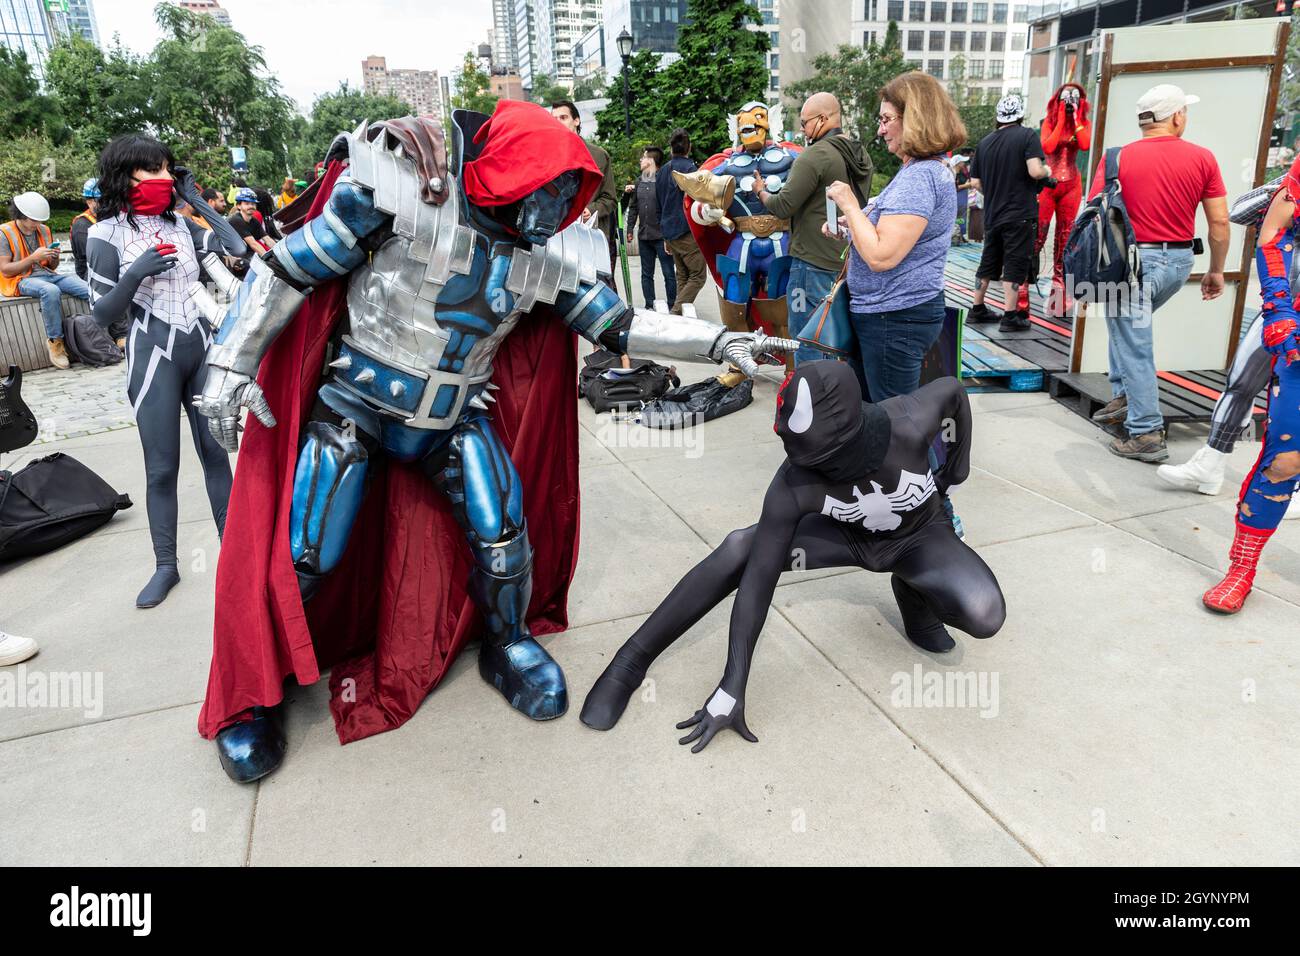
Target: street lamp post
624	43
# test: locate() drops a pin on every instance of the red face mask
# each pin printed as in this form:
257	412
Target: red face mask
152	197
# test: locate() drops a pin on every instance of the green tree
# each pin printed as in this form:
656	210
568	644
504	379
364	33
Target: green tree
103	93
336	112
546	91
980	119
958	87
590	87
473	88
23	108
213	89
722	64
856	76
650	111
31	161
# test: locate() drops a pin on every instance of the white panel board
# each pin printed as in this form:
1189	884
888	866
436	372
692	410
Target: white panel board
1190	333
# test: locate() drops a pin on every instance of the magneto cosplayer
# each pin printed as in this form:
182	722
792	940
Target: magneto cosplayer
407	303
1066	130
746	248
1271	483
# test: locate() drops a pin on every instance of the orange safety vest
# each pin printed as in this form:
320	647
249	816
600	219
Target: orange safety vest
9	284
86	215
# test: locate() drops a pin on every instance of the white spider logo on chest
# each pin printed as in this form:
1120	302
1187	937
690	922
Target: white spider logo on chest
879	511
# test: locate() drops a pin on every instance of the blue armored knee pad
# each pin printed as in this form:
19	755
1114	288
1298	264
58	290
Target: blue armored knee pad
501	585
328	486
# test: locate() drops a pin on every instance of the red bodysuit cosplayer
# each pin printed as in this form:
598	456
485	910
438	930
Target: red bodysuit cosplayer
1065	131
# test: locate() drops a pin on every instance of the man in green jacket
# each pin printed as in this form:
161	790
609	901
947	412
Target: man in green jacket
603	204
831	155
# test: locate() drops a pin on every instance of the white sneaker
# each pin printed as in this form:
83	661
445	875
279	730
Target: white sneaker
1203	472
15	649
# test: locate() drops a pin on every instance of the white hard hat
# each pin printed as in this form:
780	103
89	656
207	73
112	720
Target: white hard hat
33	206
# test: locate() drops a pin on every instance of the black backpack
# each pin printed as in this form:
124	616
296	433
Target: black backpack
53	500
1102	250
644	382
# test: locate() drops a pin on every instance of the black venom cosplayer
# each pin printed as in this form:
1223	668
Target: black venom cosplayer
856	490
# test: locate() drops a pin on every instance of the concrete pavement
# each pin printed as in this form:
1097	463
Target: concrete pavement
1112	720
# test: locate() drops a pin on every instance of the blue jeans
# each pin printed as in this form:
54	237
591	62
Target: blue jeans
806	287
1132	349
650	251
48	288
893	344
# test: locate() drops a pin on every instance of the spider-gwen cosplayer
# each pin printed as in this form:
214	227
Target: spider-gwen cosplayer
1268	487
141	260
440	296
856	490
746	248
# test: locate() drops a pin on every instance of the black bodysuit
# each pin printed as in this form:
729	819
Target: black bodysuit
856	490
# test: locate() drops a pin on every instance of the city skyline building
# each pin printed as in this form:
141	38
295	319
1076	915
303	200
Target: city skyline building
420	89
211	8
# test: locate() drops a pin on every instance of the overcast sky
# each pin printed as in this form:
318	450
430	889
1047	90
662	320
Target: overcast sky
311	45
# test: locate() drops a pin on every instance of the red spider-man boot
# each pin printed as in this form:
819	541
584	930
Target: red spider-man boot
1229	595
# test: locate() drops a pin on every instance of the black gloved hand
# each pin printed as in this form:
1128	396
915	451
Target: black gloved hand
707	724
185	184
1050	182
153	261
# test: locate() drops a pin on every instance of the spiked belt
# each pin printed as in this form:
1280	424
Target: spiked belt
421	399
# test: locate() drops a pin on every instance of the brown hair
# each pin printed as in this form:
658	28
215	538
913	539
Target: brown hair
931	124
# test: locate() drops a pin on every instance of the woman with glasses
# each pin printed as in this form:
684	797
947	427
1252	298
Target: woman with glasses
898	246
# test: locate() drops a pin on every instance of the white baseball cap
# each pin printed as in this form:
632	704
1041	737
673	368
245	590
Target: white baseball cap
33	206
1164	101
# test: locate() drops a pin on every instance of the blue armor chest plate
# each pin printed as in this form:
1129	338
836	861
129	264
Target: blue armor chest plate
772	165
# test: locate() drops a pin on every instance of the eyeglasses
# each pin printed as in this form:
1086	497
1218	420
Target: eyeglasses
885	120
803	123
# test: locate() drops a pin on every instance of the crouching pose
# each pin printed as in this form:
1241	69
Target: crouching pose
856	490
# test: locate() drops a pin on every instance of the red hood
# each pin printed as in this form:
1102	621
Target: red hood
524	148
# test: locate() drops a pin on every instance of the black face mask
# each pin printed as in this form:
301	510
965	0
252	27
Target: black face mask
543	210
826	426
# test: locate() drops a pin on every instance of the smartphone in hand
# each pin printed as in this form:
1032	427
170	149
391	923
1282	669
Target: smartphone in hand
833	217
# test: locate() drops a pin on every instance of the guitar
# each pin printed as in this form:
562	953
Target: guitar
17	423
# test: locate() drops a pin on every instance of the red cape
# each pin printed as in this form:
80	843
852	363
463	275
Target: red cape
714	240
392	616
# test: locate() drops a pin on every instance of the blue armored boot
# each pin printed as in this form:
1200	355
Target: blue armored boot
510	659
251	749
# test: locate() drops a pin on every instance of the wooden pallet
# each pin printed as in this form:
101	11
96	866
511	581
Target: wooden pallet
984	360
1087	392
22	331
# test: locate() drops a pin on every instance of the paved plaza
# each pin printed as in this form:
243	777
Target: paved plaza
1112	721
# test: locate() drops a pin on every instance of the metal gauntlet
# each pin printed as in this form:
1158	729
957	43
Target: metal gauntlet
674	336
263	306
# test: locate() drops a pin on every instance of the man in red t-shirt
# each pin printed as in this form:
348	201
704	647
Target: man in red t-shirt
1163	178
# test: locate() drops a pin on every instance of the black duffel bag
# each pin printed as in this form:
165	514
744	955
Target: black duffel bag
53	500
643	382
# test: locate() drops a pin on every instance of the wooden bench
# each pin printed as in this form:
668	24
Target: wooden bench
22	333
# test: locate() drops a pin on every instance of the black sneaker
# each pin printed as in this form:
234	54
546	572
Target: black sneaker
981	313
1015	322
